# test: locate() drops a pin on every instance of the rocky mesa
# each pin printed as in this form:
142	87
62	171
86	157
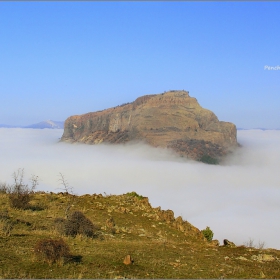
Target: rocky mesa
169	120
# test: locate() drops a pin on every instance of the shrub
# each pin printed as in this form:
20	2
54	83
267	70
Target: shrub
208	234
6	225
51	250
135	194
208	159
82	223
77	223
3	188
59	225
20	194
19	200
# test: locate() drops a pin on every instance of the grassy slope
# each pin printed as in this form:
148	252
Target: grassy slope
157	247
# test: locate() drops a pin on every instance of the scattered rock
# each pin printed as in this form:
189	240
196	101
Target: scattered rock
242	258
229	243
128	260
175	264
215	242
267	258
110	223
263	258
123	210
167	216
180	224
159	234
122	229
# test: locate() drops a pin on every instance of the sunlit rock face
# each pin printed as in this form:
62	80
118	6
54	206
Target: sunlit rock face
170	120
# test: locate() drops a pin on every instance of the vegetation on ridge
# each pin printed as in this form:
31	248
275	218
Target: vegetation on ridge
161	245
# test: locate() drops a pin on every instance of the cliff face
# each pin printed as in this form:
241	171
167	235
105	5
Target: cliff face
172	119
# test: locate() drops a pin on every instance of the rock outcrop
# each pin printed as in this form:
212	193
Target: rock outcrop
128	260
170	120
228	243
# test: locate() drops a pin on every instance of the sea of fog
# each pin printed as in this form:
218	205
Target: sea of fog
239	200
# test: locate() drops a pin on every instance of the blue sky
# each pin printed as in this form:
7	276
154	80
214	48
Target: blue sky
59	59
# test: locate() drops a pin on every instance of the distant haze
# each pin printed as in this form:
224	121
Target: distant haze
238	200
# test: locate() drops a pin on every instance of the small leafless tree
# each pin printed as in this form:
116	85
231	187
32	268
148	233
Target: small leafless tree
261	245
249	243
69	191
4	188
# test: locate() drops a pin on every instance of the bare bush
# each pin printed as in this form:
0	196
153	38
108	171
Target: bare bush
51	250
69	191
261	245
250	243
20	194
3	188
76	223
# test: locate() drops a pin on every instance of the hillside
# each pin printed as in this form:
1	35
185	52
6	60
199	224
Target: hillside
47	124
171	120
41	125
161	245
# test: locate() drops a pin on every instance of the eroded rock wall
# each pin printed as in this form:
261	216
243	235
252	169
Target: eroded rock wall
172	120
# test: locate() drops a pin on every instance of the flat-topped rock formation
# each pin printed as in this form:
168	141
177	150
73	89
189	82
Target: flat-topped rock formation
170	120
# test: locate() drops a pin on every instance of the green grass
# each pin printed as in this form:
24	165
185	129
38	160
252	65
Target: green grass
157	247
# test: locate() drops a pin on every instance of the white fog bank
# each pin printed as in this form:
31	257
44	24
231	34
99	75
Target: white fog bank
238	200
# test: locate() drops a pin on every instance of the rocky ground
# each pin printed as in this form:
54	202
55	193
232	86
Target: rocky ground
131	240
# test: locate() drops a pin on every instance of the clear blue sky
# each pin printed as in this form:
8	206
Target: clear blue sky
64	58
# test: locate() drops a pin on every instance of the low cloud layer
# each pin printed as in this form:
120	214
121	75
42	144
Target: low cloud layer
238	200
